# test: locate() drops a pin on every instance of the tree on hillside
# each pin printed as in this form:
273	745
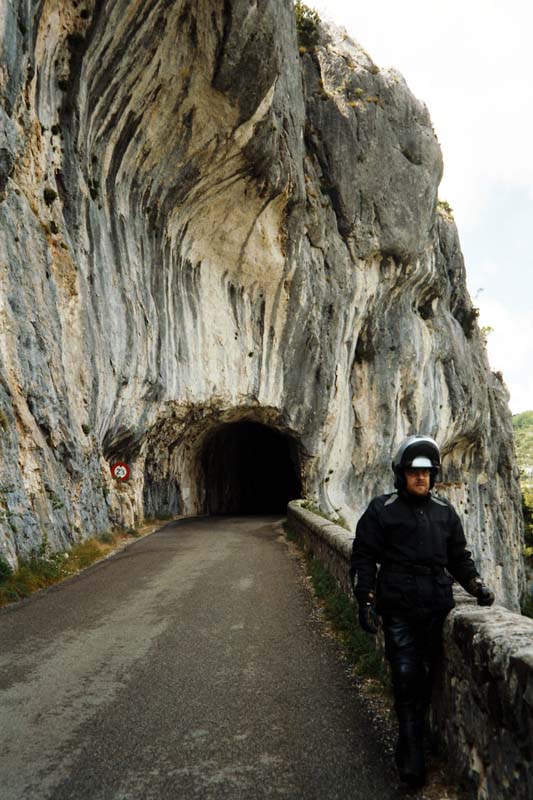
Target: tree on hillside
523	420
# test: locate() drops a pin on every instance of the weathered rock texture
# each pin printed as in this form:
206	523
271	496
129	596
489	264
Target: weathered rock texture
202	225
484	701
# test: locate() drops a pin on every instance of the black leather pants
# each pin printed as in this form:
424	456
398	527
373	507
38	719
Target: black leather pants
413	648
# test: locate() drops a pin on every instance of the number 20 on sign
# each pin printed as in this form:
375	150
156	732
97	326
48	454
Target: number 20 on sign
120	471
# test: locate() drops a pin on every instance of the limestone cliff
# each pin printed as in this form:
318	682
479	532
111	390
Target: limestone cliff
201	224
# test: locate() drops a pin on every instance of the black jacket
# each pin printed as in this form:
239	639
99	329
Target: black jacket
417	542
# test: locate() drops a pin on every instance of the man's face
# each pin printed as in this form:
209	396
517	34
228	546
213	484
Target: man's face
417	481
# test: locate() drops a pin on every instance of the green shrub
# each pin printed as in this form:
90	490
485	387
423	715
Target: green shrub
307	25
443	205
5	570
523	421
527	509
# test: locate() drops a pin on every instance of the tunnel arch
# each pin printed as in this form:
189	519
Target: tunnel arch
249	468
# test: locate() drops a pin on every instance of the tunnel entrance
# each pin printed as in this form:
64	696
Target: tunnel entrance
250	468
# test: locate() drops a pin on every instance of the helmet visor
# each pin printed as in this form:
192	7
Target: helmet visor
421	462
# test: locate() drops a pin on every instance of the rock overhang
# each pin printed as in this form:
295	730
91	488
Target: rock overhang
231	220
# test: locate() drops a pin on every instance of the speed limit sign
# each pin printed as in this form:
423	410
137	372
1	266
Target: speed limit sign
120	471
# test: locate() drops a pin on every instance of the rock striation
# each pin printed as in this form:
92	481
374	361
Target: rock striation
202	224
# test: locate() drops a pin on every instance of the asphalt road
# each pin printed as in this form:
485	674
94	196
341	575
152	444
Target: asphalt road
189	665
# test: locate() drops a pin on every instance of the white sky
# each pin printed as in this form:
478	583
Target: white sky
470	62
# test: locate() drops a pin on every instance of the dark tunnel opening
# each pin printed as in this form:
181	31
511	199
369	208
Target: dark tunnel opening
250	468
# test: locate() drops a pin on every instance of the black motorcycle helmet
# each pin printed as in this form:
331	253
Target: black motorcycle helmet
416	451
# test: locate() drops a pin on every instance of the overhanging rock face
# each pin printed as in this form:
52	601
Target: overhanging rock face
202	225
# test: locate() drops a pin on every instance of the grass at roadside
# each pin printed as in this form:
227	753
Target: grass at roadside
43	567
341	613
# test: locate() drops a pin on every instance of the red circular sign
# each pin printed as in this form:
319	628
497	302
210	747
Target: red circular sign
120	471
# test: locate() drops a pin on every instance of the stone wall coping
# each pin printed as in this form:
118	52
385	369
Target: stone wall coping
508	635
335	536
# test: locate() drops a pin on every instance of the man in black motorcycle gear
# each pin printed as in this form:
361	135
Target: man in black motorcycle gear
418	541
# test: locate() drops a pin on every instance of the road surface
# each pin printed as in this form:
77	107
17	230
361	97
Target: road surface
189	665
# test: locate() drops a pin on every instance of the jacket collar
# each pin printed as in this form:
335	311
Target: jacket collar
412	499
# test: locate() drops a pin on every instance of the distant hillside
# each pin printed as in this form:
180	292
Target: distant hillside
523	433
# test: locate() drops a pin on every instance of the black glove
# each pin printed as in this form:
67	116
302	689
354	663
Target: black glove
368	619
477	588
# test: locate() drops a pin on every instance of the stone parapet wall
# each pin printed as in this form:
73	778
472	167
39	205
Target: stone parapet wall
482	710
330	543
483	704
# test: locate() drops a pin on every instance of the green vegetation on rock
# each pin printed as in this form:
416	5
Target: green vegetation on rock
445	207
523	434
307	25
5	570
